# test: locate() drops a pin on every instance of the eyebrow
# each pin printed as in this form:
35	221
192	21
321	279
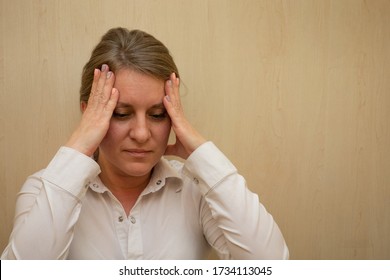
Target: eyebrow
127	105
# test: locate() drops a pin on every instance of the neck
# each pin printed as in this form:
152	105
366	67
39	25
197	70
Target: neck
126	189
124	183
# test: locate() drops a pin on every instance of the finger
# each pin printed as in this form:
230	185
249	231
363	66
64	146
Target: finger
172	98
111	104
173	87
107	88
169	101
98	95
96	76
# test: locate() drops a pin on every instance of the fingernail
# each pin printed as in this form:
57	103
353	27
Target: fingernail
169	83
167	98
104	67
109	74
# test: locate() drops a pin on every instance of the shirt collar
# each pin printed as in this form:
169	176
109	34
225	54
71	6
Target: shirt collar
164	173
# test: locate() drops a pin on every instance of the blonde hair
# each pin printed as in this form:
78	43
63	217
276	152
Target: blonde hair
121	48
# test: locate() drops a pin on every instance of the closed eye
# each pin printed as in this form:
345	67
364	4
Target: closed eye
120	115
160	116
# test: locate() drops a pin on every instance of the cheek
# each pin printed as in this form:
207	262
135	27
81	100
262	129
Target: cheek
115	133
162	132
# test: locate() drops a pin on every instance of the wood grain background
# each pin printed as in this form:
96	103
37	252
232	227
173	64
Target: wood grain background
296	93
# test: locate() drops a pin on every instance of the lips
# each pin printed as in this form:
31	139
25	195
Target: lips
137	153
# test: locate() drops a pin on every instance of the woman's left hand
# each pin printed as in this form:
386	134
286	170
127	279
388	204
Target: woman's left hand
187	138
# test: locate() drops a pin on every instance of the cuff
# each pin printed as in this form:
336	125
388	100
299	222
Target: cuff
207	166
71	170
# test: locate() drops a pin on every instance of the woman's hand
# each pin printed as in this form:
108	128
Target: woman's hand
96	114
187	138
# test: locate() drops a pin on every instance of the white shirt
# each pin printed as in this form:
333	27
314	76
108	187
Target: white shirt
66	212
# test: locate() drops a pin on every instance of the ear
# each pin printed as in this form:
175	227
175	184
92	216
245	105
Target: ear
83	106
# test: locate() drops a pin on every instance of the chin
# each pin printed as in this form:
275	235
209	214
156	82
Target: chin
138	169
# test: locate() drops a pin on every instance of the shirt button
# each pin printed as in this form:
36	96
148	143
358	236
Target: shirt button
120	219
132	220
196	181
159	182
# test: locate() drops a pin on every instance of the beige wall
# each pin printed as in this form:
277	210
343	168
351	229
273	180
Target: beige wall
296	93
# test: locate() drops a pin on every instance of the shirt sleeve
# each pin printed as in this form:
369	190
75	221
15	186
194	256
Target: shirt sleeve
48	207
235	223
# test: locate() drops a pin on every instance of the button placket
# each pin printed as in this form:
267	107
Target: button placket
135	248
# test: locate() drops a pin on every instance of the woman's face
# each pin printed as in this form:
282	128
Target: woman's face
139	128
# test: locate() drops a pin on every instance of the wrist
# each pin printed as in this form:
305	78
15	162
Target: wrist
82	147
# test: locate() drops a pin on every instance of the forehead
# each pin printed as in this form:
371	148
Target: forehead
135	87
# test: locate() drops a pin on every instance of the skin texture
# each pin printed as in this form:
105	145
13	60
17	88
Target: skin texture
128	117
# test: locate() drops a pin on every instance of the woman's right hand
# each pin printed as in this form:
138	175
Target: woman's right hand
96	114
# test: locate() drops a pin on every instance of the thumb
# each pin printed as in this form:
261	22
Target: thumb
176	150
170	150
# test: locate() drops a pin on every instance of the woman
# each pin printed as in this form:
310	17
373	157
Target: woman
110	194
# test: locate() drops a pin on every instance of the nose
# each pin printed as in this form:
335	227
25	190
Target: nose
139	130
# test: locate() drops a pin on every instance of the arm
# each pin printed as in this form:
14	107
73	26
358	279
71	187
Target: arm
49	204
245	229
48	207
234	221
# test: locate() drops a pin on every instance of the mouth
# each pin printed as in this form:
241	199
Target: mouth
138	153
